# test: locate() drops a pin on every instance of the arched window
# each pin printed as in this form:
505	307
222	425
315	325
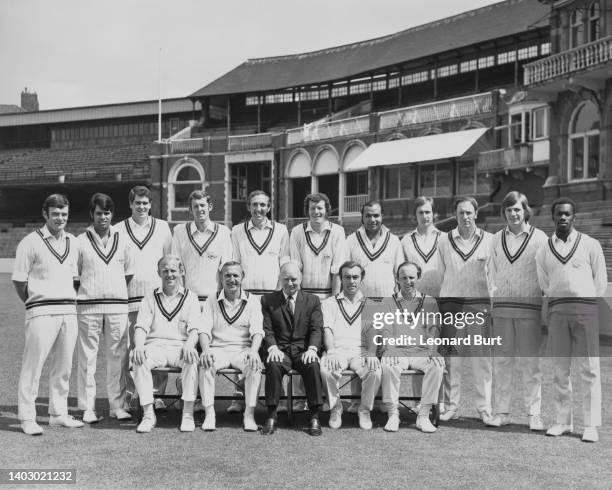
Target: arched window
584	142
185	177
576	28
593	22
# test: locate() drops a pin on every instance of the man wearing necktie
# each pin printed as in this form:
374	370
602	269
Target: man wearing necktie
293	325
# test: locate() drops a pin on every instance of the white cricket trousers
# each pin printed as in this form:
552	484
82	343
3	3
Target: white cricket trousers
225	358
392	374
575	337
164	356
521	340
370	380
46	335
114	327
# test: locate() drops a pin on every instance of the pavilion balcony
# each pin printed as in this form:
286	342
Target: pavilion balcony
520	157
591	61
328	130
247	142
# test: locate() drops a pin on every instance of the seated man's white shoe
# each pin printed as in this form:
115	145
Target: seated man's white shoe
147	424
90	417
248	420
120	414
535	423
335	416
488	419
497	421
210	421
449	415
31	428
424	424
393	422
559	430
353	407
365	422
187	422
64	421
590	434
237	406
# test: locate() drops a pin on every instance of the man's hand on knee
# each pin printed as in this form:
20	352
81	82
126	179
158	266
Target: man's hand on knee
275	355
189	354
139	356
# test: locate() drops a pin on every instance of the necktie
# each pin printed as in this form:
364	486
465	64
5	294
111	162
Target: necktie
291	304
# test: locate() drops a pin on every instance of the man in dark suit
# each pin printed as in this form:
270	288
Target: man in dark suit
293	328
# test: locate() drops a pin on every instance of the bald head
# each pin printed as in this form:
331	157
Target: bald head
291	277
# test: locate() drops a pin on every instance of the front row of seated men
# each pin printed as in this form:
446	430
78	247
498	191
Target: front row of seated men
288	327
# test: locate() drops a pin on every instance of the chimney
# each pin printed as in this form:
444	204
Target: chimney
29	101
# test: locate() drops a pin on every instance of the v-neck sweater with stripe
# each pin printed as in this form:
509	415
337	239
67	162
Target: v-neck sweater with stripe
513	279
343	319
426	255
148	246
379	262
167	321
102	271
49	273
464	276
582	277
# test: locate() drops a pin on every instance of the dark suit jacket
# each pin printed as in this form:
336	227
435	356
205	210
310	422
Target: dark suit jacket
307	328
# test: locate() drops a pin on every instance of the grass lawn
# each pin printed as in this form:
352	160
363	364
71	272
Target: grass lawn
463	453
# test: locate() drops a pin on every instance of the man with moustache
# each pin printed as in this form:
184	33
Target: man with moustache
572	274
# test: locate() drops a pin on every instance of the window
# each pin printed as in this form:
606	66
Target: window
251	100
527	126
466	66
239	182
435	180
357	183
360	88
394	82
508	57
447	71
576	29
593	22
413	78
398	182
584	143
486	62
339	91
378	85
539	122
528	52
470	181
187	177
545	49
266	179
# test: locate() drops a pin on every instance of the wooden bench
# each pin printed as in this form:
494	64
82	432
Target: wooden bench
230	373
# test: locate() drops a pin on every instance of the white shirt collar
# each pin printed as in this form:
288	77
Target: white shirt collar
358	297
570	239
147	223
294	296
243	295
194	229
47	234
179	292
509	232
455	233
111	230
250	225
326	226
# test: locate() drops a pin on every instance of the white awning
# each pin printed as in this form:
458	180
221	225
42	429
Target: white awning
421	149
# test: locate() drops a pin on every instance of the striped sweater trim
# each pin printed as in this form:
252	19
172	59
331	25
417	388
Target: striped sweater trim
465	256
517	305
316	250
425	256
260	291
145	240
258	248
364	247
561	258
513	258
50	302
102	301
169	315
317	290
565	301
350	318
135	299
105	258
204	247
59	257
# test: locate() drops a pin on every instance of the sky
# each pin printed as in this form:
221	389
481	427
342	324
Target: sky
90	52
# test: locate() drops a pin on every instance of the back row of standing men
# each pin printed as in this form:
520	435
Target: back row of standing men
463	268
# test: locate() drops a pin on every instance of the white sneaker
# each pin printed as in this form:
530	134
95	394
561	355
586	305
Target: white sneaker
449	415
147	425
187	423
249	423
282	406
353	407
590	434
335	416
31	428
497	421
559	430
488	419
90	417
535	423
393	422
237	406
210	422
120	414
159	404
64	421
365	422
424	424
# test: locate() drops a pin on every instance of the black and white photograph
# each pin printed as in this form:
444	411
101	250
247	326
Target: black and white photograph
306	244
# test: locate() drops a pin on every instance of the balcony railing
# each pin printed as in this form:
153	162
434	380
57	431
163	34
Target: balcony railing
195	145
327	130
574	60
245	142
94	173
352	204
505	158
458	108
